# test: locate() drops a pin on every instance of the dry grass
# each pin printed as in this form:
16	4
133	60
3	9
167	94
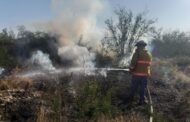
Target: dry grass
181	76
51	109
41	115
14	82
132	117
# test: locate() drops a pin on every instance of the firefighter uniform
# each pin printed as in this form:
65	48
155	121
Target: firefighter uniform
140	68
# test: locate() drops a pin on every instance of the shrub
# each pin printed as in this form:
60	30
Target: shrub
163	70
181	61
7	58
171	44
103	60
91	103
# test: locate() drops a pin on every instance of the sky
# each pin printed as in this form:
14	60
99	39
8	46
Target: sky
23	12
170	14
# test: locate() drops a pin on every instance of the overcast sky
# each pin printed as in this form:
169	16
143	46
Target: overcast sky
171	14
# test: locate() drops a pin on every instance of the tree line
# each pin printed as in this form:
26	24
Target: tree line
120	36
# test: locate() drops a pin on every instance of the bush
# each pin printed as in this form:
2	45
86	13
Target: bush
181	61
163	70
171	44
91	103
27	42
103	60
184	108
7	58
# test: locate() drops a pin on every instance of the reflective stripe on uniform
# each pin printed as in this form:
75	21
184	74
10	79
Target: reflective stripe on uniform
140	74
144	62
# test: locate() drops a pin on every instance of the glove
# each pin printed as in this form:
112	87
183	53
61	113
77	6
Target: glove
131	69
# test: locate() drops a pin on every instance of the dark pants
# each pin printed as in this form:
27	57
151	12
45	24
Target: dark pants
141	83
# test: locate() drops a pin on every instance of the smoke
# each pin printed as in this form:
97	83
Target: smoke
28	42
80	56
150	46
125	61
75	19
1	70
41	60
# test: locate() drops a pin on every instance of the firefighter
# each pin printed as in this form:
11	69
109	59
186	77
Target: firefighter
140	68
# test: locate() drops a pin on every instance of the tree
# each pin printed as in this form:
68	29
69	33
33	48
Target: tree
171	44
127	29
7	58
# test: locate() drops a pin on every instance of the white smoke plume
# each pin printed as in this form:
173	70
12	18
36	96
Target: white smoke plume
73	19
41	61
80	56
1	70
76	18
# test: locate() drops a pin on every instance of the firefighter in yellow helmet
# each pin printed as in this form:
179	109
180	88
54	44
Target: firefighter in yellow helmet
140	68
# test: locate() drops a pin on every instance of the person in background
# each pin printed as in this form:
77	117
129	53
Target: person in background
140	68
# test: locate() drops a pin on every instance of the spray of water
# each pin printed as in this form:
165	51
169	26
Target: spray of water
68	71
